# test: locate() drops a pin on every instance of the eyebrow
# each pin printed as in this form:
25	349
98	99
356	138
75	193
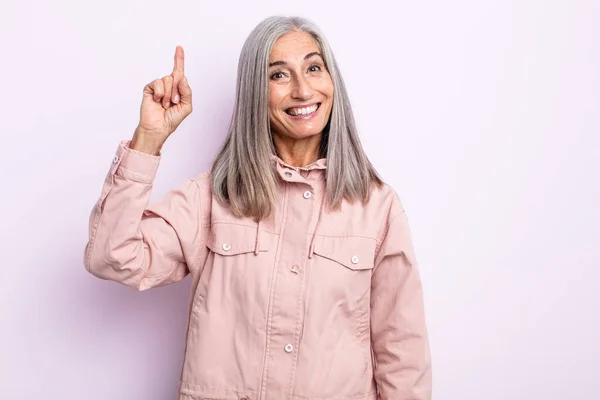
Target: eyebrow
306	57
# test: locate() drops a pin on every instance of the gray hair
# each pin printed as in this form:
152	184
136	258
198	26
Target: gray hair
242	174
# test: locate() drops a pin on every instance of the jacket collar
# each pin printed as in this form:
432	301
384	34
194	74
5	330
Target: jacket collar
321	163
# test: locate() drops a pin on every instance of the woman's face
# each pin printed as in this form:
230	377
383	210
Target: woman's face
300	87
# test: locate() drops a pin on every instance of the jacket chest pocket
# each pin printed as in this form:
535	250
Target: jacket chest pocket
355	253
342	266
227	239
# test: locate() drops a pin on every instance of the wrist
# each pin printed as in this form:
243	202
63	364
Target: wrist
144	143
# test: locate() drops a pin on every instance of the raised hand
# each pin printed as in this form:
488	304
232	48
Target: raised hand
166	103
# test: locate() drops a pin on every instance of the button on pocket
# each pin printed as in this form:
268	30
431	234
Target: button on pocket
353	252
229	239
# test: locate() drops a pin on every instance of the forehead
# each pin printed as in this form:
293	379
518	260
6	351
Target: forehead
295	44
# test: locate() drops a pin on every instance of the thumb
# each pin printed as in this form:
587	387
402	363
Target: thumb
185	91
148	93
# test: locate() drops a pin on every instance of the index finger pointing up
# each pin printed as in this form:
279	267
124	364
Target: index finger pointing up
179	60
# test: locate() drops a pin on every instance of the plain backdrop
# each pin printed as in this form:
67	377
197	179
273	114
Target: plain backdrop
482	114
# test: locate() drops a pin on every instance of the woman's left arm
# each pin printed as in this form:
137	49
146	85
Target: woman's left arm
398	330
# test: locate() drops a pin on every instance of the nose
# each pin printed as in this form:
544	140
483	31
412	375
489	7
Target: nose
301	88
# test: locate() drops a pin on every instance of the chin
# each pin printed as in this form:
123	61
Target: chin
307	131
304	134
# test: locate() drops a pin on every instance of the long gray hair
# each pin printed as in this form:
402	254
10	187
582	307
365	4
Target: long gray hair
242	174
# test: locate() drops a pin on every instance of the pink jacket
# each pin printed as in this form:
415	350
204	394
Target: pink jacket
307	305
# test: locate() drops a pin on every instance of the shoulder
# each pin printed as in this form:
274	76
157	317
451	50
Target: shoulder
385	197
386	203
199	192
203	181
197	186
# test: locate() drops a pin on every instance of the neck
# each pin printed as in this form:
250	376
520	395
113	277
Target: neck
297	152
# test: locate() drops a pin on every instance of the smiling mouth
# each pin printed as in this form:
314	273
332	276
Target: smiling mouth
296	111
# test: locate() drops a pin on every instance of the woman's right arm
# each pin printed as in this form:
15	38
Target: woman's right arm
130	241
137	243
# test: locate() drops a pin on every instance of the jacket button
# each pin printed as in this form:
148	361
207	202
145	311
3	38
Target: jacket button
288	174
226	247
354	260
288	348
307	194
116	159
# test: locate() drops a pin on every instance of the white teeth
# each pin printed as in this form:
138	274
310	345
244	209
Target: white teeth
303	111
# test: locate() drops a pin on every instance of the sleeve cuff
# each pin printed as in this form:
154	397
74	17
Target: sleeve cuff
134	165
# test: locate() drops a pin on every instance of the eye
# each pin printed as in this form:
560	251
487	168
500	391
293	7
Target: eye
314	68
277	75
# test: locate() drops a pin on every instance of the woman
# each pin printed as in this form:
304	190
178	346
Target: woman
305	285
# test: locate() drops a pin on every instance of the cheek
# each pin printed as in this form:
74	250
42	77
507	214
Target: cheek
326	87
330	88
327	91
276	96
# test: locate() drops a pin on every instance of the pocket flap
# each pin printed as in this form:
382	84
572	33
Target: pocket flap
230	239
353	252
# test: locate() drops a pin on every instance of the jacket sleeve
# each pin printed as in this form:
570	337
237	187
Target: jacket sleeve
398	331
138	244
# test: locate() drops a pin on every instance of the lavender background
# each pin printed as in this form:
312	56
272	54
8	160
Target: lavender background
484	115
